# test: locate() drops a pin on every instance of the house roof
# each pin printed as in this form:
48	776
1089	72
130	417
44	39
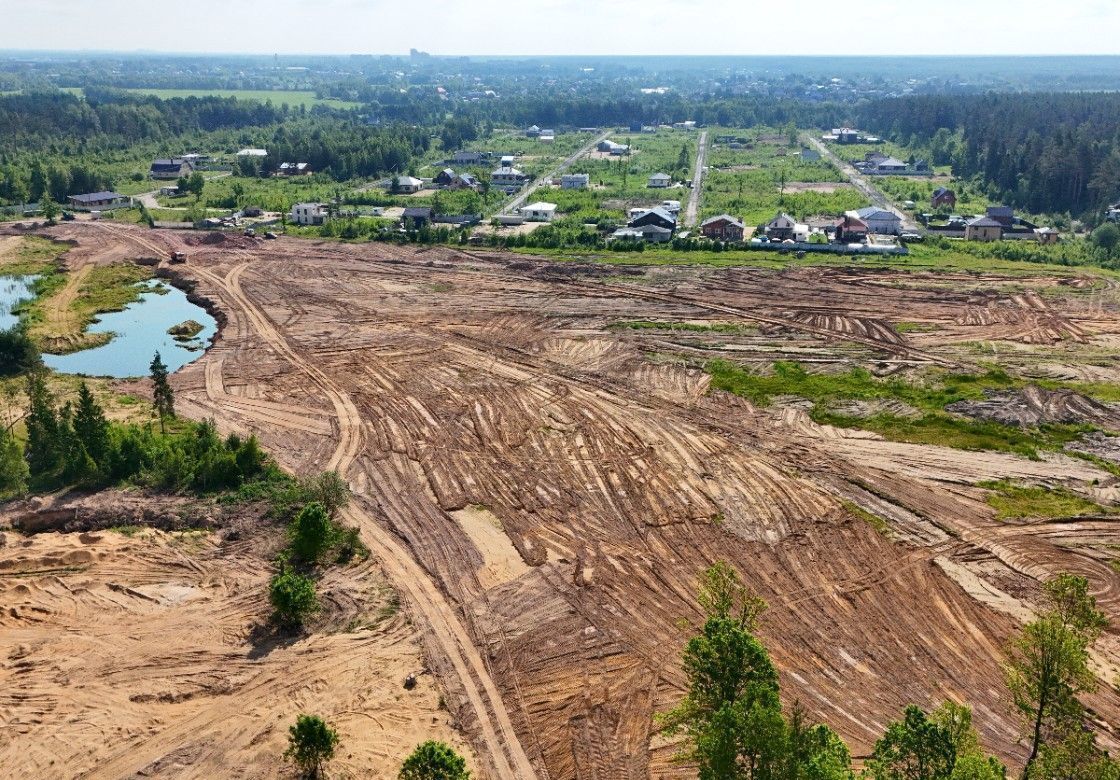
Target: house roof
891	162
307	205
1000	211
253	153
721	218
540	205
96	196
657	211
984	222
782	216
661	176
579	176
174	162
506	170
874	212
411	180
942	191
414	212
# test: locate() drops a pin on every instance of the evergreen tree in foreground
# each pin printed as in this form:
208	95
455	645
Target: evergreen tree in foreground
732	716
434	761
311	743
162	397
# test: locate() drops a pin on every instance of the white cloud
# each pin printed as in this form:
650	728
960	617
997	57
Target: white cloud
570	26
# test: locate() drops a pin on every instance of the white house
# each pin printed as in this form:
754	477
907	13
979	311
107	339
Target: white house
507	178
660	180
672	206
575	181
880	220
99	200
253	153
309	213
539	211
407	184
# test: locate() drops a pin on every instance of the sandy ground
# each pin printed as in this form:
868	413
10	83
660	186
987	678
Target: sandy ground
543	490
142	655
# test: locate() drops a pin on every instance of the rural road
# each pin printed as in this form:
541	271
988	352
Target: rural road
697	180
860	182
520	198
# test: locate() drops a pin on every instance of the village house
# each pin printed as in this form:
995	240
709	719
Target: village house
99	200
943	197
463	157
507	178
983	229
658	217
463	181
575	181
539	211
851	229
1004	215
444	177
723	228
660	180
416	217
294	169
1046	235
172	168
879	220
406	184
309	213
653	234
547	136
781	228
253	153
611	147
532	132
672	206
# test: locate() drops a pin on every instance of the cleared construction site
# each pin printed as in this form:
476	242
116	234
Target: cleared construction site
541	488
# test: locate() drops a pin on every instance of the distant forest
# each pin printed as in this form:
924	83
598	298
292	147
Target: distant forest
1043	152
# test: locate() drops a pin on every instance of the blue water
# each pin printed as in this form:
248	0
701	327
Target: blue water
140	331
13	289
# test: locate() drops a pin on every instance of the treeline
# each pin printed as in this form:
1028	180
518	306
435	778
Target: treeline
1042	152
345	148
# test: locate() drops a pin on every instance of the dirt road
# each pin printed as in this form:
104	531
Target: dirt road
543	488
693	209
522	197
860	182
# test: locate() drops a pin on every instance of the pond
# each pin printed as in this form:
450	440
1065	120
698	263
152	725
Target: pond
13	289
140	330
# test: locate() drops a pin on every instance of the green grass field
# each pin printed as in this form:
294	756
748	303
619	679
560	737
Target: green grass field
293	98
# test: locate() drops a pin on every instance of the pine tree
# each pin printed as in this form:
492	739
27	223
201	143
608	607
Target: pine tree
43	451
90	426
162	397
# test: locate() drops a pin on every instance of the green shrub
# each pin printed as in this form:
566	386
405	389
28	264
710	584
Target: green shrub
311	533
293	597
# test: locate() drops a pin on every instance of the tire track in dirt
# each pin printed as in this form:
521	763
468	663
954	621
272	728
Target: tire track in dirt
405	573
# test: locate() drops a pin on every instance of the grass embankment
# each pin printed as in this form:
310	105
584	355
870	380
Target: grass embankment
1012	501
927	422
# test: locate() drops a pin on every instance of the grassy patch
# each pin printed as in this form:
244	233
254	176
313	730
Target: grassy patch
292	97
873	520
1016	501
929	395
30	256
687	327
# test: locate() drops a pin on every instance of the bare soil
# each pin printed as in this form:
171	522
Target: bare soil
543	491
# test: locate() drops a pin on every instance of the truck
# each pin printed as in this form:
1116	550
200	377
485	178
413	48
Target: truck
178	257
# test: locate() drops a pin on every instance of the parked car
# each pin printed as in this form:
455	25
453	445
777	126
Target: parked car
270	235
178	257
67	216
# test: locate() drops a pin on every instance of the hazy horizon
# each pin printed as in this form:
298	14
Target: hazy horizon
955	28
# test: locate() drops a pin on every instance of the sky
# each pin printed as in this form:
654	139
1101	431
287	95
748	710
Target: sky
504	27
